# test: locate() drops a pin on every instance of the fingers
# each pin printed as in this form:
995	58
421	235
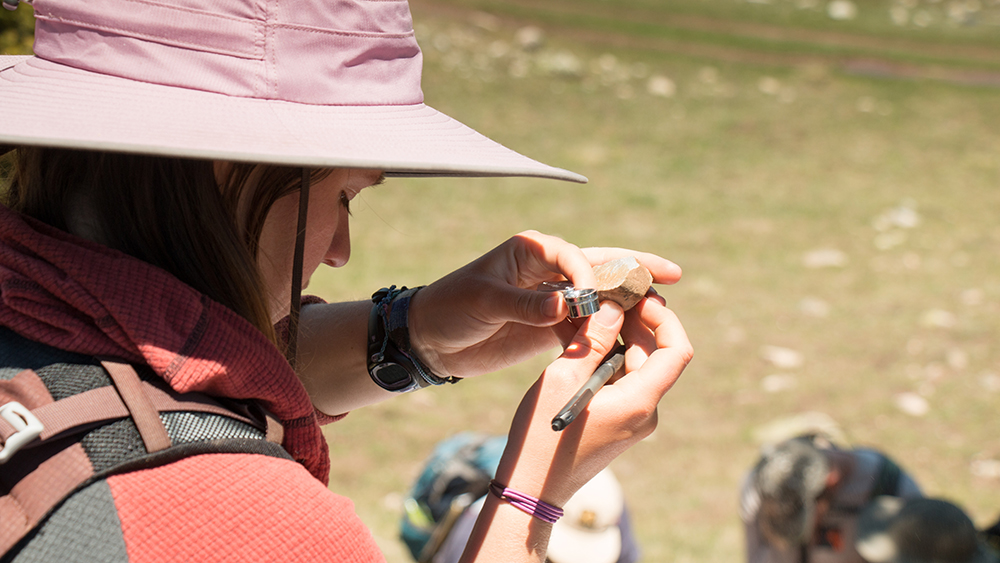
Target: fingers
663	271
660	347
539	256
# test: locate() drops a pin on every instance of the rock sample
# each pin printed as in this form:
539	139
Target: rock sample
624	281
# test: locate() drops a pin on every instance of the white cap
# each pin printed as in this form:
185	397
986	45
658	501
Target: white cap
588	531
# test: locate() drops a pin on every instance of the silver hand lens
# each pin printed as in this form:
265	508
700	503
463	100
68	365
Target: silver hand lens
581	302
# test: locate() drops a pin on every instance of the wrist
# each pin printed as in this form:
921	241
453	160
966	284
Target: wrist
421	346
392	363
526	503
522	476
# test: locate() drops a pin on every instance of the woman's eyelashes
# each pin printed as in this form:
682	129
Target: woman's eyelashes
346	202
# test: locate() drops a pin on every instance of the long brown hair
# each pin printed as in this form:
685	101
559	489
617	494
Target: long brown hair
169	212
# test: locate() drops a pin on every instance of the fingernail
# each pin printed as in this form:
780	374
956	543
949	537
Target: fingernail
607	315
550	307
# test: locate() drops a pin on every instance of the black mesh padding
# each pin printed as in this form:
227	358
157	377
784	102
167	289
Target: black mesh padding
65	380
113	444
187	427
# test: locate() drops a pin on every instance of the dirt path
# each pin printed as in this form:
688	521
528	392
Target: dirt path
967	64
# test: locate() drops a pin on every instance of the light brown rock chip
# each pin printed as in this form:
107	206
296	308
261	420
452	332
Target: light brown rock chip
624	281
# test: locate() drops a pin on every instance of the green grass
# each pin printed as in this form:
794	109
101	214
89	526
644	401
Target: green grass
736	185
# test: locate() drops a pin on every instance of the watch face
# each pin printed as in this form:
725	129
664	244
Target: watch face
392	376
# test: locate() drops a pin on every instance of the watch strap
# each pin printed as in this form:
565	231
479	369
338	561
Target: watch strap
391	363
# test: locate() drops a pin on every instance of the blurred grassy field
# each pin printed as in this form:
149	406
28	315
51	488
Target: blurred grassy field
848	219
828	184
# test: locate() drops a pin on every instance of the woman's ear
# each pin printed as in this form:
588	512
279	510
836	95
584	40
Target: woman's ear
833	477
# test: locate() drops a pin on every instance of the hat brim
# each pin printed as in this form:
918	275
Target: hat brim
568	544
54	105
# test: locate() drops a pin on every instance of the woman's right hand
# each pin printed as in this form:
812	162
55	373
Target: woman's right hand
553	465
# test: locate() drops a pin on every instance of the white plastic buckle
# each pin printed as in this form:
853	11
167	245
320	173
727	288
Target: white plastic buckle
27	427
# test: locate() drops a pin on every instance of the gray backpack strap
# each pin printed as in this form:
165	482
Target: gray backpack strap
46	456
140	407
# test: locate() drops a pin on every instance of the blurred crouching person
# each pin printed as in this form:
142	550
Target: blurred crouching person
919	530
801	501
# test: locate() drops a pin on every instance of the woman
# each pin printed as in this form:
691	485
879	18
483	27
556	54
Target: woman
174	186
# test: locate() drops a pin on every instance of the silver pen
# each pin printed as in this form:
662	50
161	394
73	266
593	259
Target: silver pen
582	398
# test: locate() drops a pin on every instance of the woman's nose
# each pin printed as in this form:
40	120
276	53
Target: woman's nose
339	251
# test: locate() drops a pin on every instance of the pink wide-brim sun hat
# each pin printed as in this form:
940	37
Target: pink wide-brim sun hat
315	83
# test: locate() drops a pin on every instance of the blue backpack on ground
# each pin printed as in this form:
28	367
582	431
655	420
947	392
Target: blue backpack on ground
457	473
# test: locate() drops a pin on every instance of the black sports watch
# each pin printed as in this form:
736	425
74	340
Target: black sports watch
391	363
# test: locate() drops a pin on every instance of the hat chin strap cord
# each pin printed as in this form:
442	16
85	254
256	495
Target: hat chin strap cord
295	307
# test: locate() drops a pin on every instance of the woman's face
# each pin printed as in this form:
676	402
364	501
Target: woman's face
328	239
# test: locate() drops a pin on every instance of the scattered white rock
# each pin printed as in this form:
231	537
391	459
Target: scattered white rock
889	240
899	15
972	297
824	258
922	18
777	382
963	11
957	359
912	404
842	10
498	49
937	318
393	501
769	85
903	216
485	21
990	382
530	38
985	468
661	86
605	64
781	357
814	307
561	63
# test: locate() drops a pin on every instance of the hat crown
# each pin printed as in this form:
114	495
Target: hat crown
324	52
597	506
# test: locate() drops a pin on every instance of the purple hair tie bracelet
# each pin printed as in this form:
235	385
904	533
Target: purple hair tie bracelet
527	504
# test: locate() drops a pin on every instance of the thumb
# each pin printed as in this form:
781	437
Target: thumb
533	307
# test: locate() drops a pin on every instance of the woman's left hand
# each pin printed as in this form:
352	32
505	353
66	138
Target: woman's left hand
489	315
